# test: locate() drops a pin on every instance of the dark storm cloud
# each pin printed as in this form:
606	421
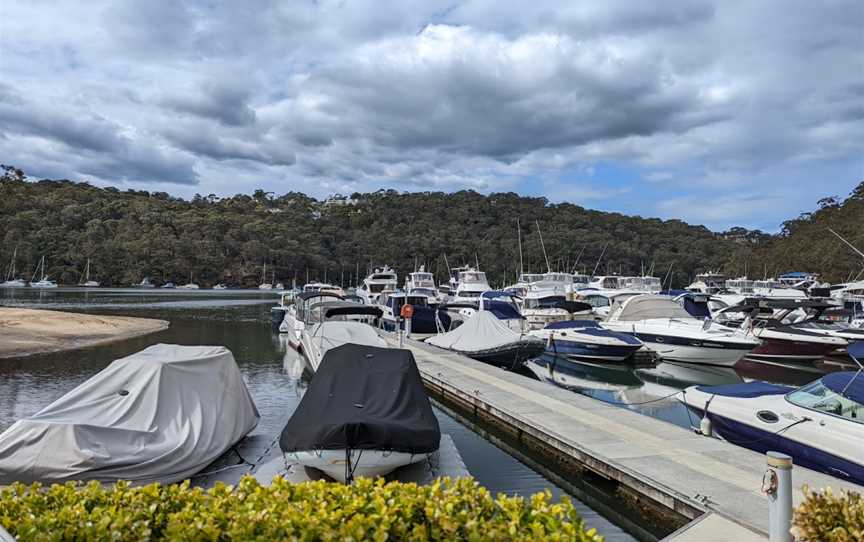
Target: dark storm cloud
222	101
335	96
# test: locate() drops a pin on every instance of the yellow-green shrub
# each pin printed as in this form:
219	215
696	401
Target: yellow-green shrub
366	510
826	517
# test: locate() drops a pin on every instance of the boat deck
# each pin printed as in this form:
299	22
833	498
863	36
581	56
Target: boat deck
665	465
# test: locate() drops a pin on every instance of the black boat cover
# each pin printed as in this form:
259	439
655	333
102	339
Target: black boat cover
364	398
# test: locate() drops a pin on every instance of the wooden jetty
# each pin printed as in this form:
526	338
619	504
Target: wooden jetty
663	470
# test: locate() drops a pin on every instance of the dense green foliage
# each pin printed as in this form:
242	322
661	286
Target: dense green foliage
805	243
132	234
826	517
366	510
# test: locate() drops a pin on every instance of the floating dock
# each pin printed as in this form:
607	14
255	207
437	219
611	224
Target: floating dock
658	468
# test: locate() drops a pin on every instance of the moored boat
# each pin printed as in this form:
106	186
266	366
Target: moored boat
365	413
159	415
819	424
586	339
485	338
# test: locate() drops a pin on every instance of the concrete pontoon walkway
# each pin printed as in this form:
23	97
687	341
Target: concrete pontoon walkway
674	467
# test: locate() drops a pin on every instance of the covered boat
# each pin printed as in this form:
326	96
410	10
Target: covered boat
159	415
486	338
365	413
821	424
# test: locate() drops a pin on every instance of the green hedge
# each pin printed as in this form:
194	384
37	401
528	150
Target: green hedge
366	510
826	517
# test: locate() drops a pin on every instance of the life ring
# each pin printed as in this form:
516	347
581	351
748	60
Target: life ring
407	311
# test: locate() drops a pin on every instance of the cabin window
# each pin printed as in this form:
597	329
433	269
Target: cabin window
376	288
816	396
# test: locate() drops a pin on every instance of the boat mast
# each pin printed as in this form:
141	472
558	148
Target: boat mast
600	259
850	245
545	256
519	237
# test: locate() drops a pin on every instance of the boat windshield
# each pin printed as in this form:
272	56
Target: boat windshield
377	288
472	276
550	302
528	278
817	396
383	276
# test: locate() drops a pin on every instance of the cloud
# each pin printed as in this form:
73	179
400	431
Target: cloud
687	97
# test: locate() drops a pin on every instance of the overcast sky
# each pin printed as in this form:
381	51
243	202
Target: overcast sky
720	113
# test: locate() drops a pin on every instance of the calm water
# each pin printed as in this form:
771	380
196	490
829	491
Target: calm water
238	320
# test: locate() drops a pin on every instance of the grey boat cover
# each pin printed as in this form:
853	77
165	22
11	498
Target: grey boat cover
480	333
159	415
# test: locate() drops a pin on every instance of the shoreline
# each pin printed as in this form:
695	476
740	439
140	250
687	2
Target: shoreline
30	332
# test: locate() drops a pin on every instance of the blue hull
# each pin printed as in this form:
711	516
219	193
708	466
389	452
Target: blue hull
762	441
423	321
592	351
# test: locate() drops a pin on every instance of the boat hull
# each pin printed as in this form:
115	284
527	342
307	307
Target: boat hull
364	463
511	355
693	350
778	351
581	350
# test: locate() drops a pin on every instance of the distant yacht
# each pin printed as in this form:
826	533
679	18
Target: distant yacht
382	279
469	283
190	285
145	283
264	284
86	282
710	282
11	280
169	286
43	282
423	283
220	286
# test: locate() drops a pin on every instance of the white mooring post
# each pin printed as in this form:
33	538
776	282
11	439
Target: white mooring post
408	328
777	485
399	330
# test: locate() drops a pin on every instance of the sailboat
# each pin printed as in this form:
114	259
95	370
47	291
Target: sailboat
11	280
43	282
190	285
265	285
87	283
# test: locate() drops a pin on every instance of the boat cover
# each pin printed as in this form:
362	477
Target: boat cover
480	333
159	415
848	383
334	334
746	390
364	398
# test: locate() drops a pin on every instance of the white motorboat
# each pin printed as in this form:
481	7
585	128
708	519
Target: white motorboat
709	282
665	327
220	286
365	413
546	302
586	339
423	283
331	324
298	313
43	282
382	279
11	279
159	415
819	424
469	284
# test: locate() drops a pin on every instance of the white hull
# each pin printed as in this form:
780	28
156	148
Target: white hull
364	463
43	284
13	284
723	357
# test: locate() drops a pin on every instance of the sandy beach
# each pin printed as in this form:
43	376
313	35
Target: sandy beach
25	332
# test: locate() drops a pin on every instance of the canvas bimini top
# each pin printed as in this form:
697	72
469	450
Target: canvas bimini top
364	398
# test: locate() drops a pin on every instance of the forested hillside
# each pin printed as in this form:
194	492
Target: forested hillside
806	243
131	234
